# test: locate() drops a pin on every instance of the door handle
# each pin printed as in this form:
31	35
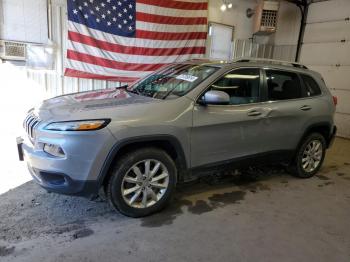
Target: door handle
254	113
306	108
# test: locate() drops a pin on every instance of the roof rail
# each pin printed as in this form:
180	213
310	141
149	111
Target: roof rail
271	61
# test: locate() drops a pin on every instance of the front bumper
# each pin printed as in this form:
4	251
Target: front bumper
63	184
77	173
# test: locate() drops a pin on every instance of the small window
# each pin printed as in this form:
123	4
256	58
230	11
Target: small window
283	85
312	88
242	85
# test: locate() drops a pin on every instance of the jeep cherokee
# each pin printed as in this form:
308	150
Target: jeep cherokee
135	143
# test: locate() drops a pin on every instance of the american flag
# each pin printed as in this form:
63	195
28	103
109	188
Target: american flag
124	40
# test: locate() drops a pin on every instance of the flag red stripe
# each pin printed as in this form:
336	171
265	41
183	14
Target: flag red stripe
76	73
170	36
111	63
175	4
161	19
131	50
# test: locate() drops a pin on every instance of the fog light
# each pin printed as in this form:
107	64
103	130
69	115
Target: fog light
54	150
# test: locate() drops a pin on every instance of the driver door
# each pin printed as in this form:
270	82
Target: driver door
226	132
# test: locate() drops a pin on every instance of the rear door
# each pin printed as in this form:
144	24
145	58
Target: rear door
290	110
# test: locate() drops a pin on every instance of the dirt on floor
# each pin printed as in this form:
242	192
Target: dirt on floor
261	216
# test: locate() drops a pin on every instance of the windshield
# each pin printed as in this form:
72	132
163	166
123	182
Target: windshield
173	81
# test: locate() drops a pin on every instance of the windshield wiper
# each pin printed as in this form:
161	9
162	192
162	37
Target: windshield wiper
134	91
122	87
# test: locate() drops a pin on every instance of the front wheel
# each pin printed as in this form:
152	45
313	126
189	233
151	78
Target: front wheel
309	157
142	182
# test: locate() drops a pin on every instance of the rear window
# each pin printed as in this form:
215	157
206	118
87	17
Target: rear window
283	85
311	86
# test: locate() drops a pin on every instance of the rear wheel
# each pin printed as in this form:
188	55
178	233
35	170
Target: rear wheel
142	182
310	156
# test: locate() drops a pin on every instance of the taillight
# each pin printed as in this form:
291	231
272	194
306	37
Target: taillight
335	100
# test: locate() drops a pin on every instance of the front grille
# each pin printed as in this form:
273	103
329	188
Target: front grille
30	124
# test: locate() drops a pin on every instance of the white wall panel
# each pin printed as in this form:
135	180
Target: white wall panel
288	24
335	77
343	100
325	32
325	52
234	17
24	20
329	10
343	122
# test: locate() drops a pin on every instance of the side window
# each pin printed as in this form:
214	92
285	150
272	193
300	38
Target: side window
242	85
312	88
283	85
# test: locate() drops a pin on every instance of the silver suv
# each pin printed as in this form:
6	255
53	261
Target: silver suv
135	143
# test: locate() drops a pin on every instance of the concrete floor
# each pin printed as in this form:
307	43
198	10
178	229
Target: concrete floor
272	217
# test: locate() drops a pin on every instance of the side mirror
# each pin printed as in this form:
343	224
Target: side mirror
215	98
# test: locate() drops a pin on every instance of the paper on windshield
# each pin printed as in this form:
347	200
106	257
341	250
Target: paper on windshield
188	78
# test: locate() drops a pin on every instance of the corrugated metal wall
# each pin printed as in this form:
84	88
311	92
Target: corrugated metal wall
247	48
56	84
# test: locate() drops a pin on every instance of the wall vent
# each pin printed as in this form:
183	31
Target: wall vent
10	50
266	16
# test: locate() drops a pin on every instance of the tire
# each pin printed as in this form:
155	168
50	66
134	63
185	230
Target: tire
301	166
130	183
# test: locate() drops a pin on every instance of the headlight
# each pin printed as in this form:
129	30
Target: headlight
81	125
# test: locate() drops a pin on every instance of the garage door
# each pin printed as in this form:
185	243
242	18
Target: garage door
326	49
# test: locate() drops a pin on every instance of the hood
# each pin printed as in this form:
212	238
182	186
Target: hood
88	105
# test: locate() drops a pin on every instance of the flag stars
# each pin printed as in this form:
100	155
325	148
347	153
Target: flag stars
116	15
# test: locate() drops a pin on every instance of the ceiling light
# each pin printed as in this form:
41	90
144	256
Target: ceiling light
223	8
229	5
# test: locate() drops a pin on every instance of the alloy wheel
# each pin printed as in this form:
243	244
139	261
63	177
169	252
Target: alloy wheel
312	156
145	183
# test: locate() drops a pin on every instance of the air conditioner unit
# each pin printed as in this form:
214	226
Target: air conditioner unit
266	15
10	50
